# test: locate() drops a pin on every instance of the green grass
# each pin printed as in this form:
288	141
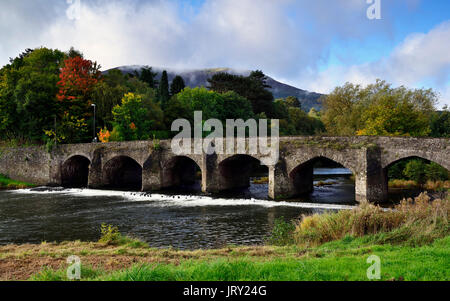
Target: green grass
339	260
413	222
7	183
412	242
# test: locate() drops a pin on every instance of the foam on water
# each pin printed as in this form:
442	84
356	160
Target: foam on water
164	200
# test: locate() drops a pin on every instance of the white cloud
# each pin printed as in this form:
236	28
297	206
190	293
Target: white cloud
420	57
285	38
282	37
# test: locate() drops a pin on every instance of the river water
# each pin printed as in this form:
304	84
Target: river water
178	221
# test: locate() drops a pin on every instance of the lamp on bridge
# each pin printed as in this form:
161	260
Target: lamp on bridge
94	140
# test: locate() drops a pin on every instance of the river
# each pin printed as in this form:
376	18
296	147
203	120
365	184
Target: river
178	221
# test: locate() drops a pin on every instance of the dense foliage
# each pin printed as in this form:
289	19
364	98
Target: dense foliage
252	87
379	109
28	89
47	95
417	170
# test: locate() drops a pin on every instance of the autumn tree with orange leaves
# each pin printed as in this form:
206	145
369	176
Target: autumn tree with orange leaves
78	77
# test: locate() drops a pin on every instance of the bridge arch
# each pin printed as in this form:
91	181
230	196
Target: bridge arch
75	172
235	171
181	173
122	172
301	177
396	172
393	158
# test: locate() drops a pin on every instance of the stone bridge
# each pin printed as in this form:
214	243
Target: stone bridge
147	166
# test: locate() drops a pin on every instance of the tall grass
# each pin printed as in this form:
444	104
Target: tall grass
429	185
412	222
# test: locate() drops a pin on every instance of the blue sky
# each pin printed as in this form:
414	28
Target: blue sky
314	45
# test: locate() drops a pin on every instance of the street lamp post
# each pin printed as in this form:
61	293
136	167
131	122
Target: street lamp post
93	129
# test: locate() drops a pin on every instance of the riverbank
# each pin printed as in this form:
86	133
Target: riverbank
8	184
340	260
412	243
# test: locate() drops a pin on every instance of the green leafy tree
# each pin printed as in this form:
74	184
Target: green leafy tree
415	170
235	106
378	109
293	120
436	172
109	92
440	124
177	85
131	119
176	109
342	110
252	87
28	94
222	106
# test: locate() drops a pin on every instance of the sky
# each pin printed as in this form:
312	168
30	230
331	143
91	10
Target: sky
313	45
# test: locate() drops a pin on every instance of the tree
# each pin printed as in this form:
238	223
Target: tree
440	124
415	170
109	92
293	120
163	90
28	94
378	109
436	172
342	110
148	76
222	106
260	77
235	106
131	119
252	87
77	79
177	85
73	53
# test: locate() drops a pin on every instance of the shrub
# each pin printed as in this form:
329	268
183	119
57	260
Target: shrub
110	235
413	222
282	233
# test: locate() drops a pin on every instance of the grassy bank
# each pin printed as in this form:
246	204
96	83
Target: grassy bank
7	183
410	184
412	242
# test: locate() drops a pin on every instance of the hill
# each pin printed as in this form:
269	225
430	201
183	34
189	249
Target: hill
199	77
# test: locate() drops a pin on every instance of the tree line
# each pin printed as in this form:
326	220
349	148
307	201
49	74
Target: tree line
47	96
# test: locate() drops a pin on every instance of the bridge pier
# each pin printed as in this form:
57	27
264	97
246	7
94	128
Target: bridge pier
280	186
95	178
210	174
371	182
151	176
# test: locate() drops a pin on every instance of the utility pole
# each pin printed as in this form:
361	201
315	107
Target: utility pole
93	128
55	128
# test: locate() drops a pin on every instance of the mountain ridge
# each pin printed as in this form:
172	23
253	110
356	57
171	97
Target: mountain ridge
199	77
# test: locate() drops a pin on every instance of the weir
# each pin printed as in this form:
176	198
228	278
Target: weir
145	166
